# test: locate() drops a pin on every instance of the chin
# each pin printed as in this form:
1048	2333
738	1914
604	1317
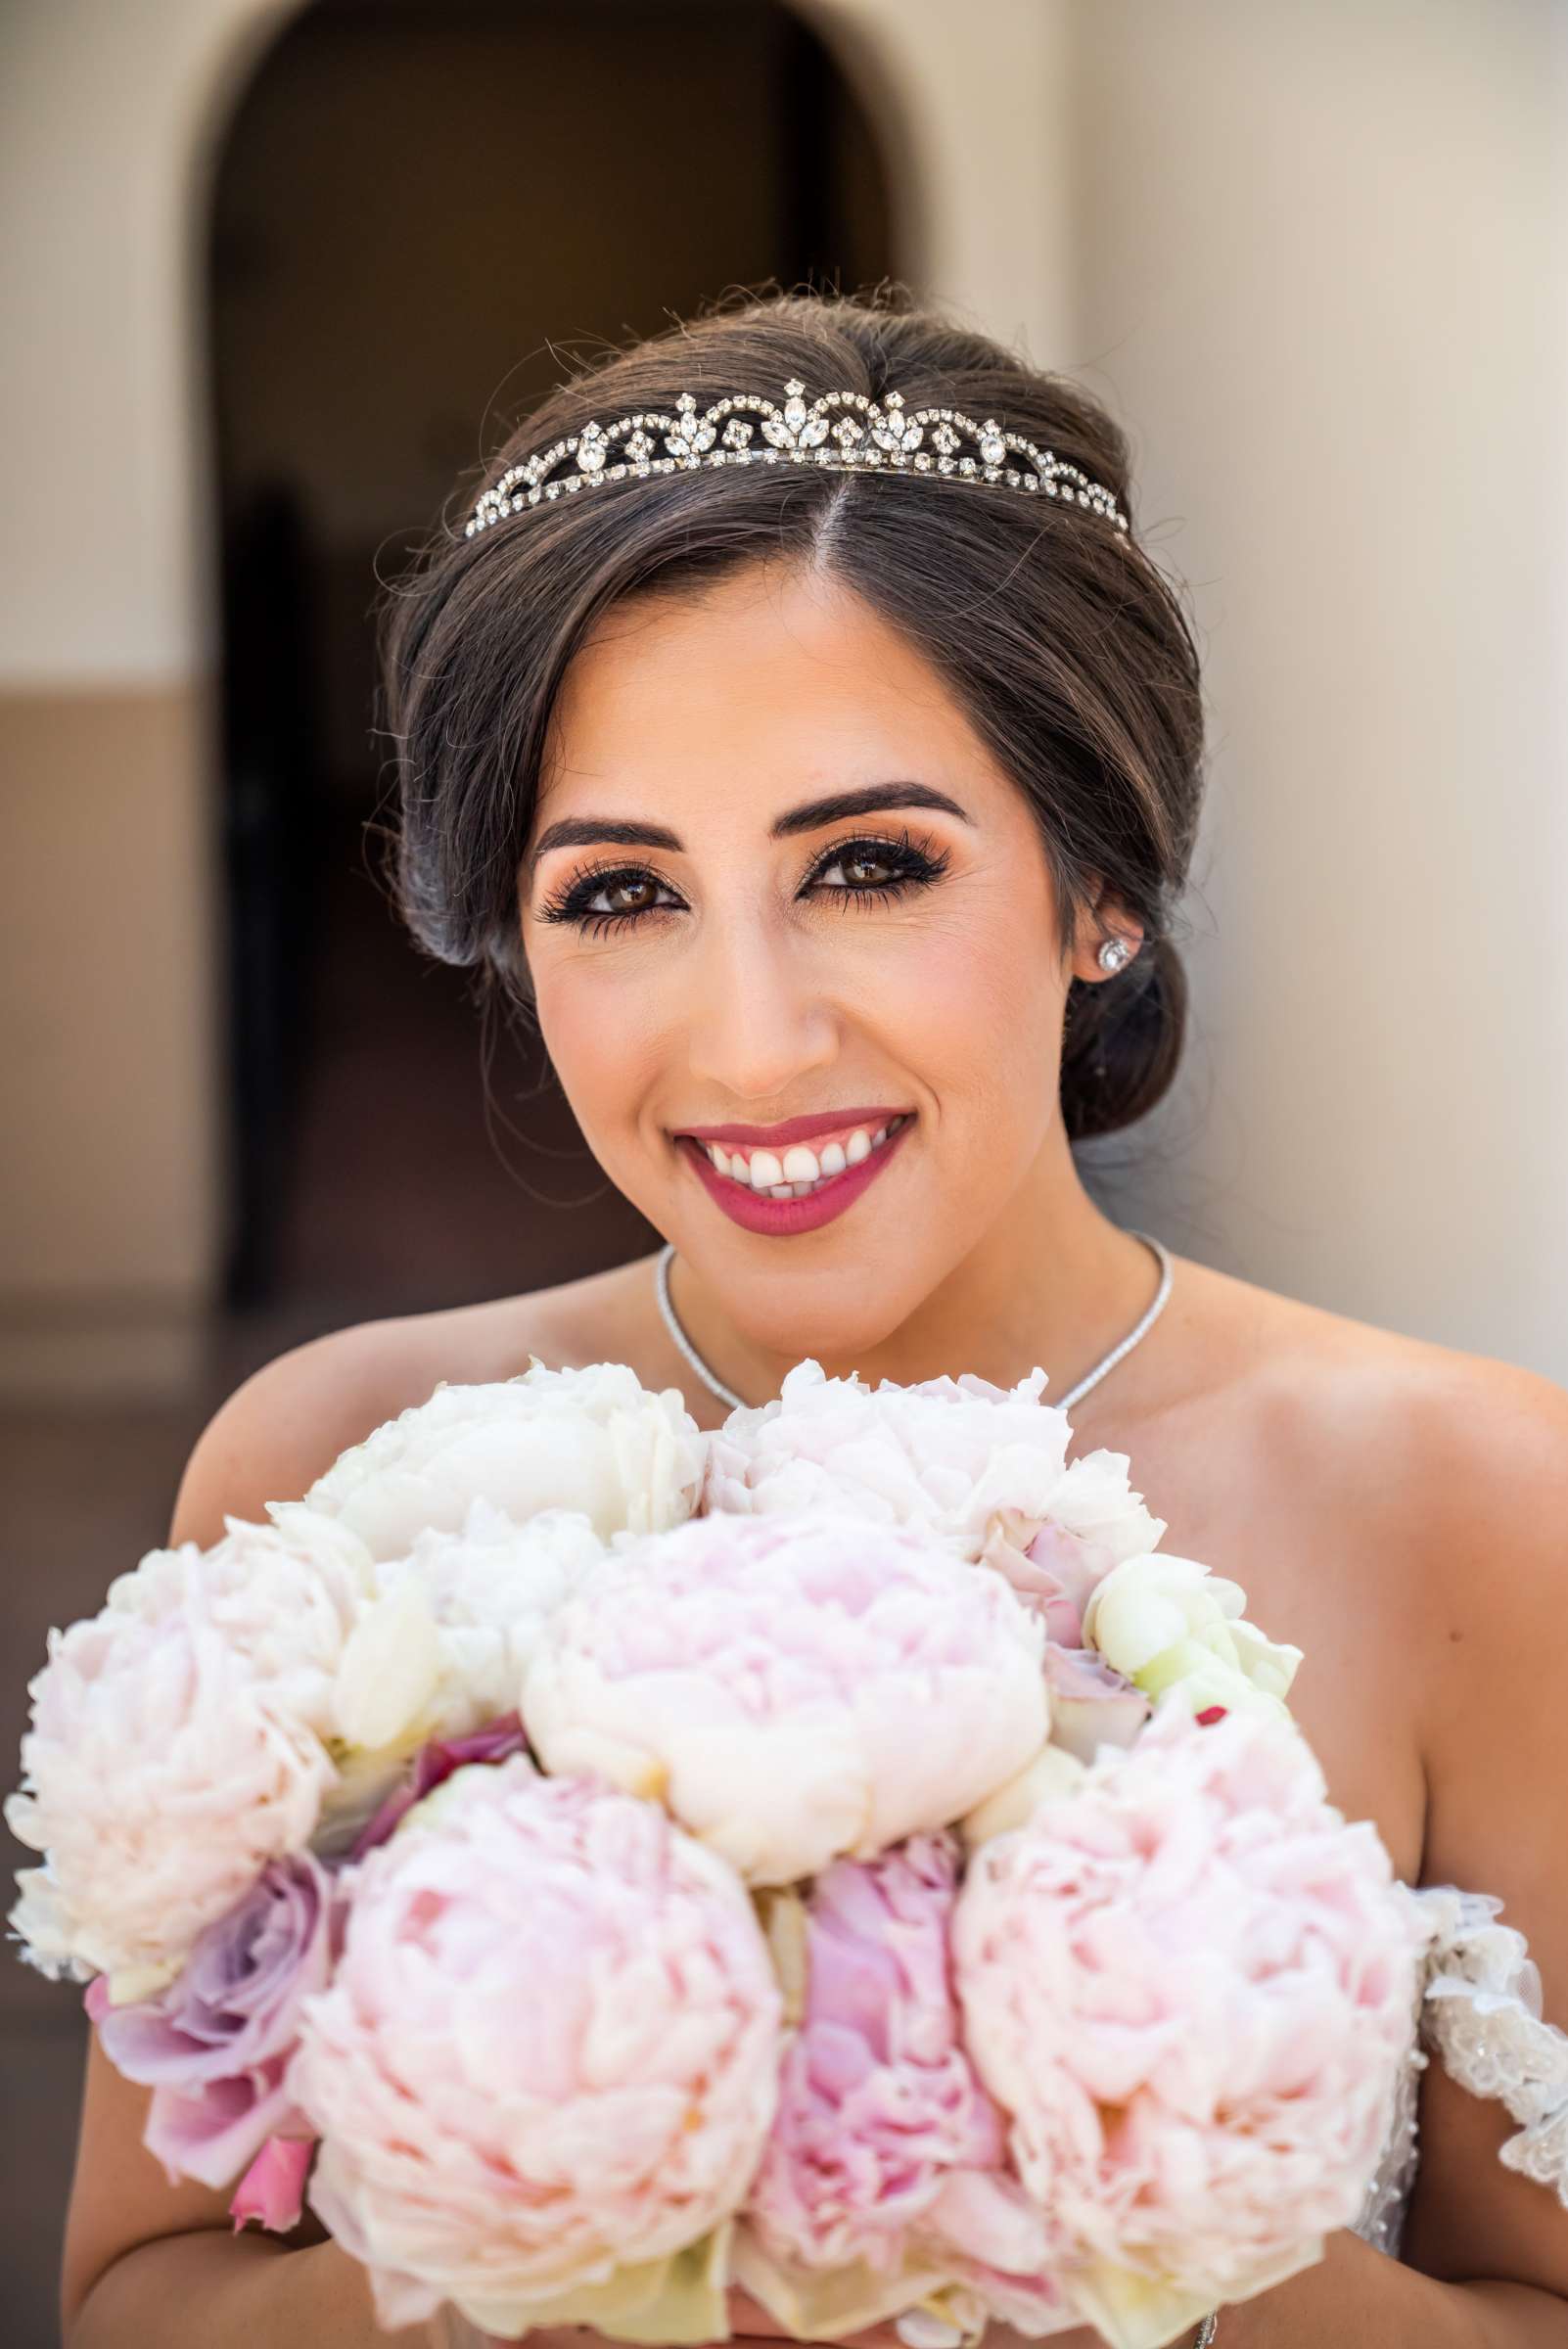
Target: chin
833	1330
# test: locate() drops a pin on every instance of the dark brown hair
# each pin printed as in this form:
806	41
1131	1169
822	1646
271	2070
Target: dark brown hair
1065	647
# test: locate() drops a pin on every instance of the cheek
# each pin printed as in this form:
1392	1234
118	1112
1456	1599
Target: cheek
979	1001
600	1051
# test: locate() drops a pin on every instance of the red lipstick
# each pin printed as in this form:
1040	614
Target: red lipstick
782	1219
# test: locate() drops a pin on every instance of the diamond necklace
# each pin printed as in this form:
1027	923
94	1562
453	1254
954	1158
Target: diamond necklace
1123	1347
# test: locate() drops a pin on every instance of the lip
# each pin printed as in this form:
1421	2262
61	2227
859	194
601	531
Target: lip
782	1219
794	1130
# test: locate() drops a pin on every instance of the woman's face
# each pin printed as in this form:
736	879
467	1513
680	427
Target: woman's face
712	946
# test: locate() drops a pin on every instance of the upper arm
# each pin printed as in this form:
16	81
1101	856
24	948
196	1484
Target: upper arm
1495	1737
273	1437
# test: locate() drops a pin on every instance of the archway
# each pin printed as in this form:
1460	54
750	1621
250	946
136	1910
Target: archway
413	198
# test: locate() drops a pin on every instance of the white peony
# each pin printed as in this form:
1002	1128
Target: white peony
443	1644
1166	1622
594	1440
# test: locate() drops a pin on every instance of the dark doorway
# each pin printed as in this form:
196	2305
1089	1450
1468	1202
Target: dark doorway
414	197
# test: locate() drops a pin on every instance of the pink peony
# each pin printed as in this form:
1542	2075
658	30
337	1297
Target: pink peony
591	1439
793	1689
980	1466
945	1455
215	2045
286	1596
163	1770
549	2052
1191	1985
877	2099
886	2151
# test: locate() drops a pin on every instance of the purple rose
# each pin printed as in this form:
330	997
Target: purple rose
497	1742
1059	1572
215	2045
1091	1704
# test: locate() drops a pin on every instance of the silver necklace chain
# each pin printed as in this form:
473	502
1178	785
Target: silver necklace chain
1123	1348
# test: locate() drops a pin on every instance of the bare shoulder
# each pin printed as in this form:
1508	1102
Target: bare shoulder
1430	1441
286	1424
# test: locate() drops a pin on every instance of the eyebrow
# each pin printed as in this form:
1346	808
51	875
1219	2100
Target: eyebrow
582	831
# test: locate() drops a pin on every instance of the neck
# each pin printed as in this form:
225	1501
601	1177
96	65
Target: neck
1053	1281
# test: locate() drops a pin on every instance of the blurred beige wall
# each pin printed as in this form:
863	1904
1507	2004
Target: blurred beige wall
1313	249
1322	269
111	1168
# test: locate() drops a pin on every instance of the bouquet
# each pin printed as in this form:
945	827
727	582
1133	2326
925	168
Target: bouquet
841	1855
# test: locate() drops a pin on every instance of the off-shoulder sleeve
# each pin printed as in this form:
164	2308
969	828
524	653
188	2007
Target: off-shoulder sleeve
1480	2015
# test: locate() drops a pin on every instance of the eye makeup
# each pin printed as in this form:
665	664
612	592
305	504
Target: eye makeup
911	861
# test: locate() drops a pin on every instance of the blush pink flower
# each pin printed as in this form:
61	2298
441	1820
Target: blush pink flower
285	1595
549	2052
944	1456
272	2190
877	2100
793	1689
980	1467
885	2151
165	1765
1190	1983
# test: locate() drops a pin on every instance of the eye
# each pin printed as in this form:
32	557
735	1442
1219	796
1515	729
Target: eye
579	904
608	897
906	864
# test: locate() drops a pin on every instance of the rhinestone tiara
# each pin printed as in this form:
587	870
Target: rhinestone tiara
874	438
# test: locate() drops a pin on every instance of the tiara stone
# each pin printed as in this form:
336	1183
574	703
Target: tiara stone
844	432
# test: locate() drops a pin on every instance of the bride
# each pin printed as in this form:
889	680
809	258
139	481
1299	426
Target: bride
832	818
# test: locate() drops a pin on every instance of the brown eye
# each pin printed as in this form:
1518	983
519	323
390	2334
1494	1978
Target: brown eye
872	870
608	899
636	891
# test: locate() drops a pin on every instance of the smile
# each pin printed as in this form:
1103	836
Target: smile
798	1189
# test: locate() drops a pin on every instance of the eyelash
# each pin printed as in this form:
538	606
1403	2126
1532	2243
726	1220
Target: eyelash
918	864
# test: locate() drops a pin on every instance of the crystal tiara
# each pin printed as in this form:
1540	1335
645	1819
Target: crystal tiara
876	439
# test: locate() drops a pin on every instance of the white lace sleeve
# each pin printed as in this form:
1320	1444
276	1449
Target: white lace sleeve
1482	2015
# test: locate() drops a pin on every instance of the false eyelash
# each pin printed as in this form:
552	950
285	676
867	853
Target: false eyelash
921	863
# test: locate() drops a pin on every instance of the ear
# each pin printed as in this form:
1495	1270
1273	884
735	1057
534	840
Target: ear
1108	917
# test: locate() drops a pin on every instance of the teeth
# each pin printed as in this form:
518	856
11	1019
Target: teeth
798	1170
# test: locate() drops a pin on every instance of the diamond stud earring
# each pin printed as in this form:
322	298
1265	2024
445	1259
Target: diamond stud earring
1113	954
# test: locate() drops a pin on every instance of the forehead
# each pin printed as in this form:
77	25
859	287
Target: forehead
778	675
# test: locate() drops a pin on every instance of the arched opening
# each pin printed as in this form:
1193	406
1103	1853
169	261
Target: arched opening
413	196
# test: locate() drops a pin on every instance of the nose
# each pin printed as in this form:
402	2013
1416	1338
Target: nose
758	1020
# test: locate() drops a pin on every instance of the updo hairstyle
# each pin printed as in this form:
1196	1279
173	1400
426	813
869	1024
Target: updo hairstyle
1061	642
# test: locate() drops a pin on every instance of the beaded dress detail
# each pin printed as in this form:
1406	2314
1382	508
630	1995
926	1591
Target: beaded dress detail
1479	2011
